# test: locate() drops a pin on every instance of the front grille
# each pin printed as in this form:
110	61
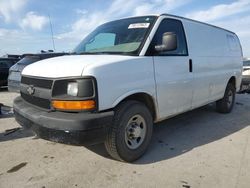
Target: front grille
40	102
40	96
37	82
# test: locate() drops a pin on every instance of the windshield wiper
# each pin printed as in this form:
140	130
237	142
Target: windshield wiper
100	53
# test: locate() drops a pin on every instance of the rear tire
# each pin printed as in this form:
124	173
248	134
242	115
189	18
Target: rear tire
131	131
225	105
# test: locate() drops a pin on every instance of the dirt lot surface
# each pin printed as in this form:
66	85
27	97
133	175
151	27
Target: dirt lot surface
197	149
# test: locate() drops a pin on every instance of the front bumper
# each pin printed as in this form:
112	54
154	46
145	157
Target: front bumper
69	128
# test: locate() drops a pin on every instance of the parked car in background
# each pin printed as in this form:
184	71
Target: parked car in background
5	64
245	84
14	78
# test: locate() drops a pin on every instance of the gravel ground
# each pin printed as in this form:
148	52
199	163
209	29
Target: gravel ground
200	148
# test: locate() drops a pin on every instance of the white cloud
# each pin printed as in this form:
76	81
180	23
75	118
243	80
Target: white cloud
33	21
13	34
220	11
121	8
10	8
158	6
143	9
6	32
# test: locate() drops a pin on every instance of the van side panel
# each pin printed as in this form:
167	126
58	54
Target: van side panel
217	56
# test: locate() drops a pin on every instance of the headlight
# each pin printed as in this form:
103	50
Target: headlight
72	89
75	94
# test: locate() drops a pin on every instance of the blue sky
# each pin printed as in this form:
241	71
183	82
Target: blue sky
25	26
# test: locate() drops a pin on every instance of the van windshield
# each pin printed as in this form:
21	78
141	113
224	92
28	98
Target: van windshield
124	36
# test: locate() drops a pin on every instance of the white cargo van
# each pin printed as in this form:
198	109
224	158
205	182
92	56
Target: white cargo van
125	76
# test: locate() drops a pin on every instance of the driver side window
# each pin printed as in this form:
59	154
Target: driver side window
170	25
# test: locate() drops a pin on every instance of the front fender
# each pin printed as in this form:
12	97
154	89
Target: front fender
121	78
124	96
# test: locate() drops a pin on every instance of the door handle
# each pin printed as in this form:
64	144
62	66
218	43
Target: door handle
190	65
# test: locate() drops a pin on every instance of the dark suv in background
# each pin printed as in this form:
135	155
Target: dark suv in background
15	71
5	64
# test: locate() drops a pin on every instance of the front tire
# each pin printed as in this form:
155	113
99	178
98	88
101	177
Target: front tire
131	131
225	105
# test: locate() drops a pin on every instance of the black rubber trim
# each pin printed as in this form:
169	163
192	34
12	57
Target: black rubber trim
87	137
190	65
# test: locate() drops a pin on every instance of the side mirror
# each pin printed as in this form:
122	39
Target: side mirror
169	42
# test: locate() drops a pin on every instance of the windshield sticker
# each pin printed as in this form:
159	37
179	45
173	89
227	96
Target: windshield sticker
138	25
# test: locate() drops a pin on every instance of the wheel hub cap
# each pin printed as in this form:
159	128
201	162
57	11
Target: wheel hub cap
135	131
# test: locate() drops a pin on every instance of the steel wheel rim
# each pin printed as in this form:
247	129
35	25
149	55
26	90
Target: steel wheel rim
135	131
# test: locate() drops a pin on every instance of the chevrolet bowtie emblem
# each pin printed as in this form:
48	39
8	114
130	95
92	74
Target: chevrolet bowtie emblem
31	90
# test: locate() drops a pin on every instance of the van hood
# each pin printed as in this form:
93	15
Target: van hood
71	65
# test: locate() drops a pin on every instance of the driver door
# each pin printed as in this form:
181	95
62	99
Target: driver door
173	71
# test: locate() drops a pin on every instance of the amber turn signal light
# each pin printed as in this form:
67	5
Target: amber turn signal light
74	105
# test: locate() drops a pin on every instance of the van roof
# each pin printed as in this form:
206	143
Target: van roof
180	17
197	22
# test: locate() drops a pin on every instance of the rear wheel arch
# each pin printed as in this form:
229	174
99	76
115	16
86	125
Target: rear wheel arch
232	80
225	105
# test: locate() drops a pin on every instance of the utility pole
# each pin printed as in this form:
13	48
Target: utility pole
52	34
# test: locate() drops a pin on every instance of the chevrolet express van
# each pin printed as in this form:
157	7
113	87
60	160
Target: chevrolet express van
126	75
